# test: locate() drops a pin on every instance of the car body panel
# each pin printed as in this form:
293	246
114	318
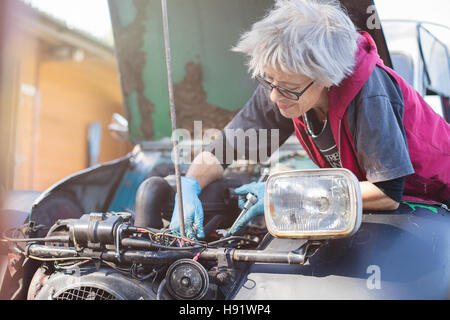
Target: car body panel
411	249
211	83
403	254
106	187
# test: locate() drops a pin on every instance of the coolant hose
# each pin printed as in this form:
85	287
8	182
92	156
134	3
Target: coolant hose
161	288
151	195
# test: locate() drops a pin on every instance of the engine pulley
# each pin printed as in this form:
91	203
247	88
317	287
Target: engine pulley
187	279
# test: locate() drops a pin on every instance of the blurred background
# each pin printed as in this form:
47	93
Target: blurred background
59	85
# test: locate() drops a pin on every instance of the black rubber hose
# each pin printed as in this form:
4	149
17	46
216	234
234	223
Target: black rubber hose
161	288
129	256
61	238
149	245
213	224
150	196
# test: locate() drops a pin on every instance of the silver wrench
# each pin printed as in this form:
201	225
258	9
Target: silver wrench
251	200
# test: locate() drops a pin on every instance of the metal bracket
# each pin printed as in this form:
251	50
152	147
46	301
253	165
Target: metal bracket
224	260
118	239
308	249
224	265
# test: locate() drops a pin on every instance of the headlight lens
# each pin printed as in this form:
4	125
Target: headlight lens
314	204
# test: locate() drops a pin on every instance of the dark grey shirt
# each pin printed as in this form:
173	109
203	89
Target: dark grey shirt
375	124
375	120
322	136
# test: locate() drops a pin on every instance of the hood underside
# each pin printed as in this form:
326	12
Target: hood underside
211	83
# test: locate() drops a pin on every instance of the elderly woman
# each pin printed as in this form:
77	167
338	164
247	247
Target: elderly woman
322	79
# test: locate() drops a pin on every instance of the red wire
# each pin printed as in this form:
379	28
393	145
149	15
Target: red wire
179	242
196	257
187	240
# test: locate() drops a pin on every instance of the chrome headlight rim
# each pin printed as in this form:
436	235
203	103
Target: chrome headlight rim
356	204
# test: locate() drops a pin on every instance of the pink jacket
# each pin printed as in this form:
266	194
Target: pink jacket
427	134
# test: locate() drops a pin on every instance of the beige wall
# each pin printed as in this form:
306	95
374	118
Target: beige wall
73	95
56	101
9	94
28	57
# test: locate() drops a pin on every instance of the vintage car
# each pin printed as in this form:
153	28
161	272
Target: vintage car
77	240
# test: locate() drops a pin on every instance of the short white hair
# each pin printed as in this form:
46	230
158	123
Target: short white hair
315	38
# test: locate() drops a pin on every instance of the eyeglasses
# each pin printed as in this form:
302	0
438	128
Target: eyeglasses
292	95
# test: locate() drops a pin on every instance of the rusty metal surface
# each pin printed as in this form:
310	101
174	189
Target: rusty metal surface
130	40
192	104
202	33
211	82
38	281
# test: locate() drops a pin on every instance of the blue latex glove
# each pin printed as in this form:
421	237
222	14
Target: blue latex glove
192	207
257	189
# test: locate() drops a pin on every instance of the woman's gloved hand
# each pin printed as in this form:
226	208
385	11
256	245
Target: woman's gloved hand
192	207
257	189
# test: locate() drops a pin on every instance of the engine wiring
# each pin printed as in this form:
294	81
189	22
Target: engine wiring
159	237
58	259
6	238
161	240
70	266
127	271
232	238
165	239
134	273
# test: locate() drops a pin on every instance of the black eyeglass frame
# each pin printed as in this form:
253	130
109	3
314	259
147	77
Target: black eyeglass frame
266	83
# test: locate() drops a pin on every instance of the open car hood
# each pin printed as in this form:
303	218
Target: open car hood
211	83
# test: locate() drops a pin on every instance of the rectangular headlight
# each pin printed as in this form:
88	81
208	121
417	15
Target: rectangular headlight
313	204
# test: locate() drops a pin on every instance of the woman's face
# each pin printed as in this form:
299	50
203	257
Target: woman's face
315	97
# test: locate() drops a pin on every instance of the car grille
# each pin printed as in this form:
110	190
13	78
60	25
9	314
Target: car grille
85	293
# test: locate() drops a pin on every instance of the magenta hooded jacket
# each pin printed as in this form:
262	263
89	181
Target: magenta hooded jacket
427	133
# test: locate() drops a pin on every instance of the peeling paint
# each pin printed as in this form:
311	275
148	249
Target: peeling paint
211	83
129	41
134	114
191	103
126	12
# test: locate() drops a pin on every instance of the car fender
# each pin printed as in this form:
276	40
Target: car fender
403	254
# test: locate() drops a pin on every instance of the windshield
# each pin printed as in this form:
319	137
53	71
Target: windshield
436	59
420	54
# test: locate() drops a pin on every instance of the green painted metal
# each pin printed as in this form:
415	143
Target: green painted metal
201	32
126	12
134	112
